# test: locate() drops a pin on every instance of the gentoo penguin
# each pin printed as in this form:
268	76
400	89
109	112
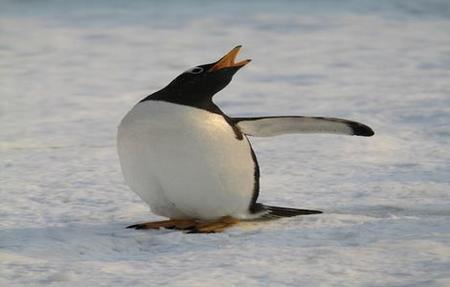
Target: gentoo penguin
192	163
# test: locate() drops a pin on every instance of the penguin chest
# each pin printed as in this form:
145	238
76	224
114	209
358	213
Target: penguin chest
185	162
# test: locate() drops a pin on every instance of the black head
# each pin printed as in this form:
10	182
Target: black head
196	86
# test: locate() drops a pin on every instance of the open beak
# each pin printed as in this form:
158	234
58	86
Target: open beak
227	61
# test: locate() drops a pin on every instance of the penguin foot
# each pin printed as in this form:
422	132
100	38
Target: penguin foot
180	224
189	225
214	226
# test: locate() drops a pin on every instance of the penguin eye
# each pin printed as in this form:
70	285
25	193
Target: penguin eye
195	70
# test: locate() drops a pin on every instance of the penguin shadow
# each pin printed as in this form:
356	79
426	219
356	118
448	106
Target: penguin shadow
104	242
112	241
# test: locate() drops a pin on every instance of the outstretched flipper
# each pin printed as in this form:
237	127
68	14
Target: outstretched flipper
273	126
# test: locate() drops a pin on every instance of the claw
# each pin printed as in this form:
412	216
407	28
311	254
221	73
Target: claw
189	225
180	224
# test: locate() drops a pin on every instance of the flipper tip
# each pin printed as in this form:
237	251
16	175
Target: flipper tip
362	130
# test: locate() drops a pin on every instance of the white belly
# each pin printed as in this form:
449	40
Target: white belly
185	162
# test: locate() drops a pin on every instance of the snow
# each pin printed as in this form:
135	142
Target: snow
69	71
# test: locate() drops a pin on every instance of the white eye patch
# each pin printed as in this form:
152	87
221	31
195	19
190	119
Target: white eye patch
195	70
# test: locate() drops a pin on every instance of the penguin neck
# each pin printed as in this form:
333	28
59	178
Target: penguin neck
204	103
168	94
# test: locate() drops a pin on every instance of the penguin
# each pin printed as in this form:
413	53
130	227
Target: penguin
193	164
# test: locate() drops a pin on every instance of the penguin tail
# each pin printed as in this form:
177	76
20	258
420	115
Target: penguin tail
274	212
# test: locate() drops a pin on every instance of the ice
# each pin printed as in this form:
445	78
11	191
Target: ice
69	71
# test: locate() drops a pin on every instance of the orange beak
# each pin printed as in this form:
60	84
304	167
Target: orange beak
227	61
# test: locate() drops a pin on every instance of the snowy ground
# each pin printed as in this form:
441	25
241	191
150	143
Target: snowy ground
70	70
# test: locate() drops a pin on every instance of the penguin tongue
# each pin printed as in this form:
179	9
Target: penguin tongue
227	61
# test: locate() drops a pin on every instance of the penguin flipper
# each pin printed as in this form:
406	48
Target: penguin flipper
273	126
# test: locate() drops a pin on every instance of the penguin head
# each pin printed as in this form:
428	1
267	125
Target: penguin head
204	81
